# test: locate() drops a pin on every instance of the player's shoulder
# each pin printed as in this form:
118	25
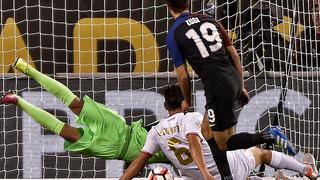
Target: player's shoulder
194	115
153	130
193	119
202	16
182	20
160	124
207	18
178	22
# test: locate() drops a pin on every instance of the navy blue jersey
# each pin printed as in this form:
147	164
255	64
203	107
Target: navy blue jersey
201	41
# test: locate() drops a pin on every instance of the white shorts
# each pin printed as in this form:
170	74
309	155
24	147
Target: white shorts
191	174
241	163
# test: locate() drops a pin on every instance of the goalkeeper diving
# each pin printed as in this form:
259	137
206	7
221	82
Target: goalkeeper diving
104	133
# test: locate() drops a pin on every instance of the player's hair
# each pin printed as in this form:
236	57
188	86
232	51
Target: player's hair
173	97
178	6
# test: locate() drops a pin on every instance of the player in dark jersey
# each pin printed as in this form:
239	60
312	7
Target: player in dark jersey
205	44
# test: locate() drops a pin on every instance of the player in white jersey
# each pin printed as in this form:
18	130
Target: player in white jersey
179	136
180	139
172	136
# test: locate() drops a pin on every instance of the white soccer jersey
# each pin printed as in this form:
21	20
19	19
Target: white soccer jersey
170	135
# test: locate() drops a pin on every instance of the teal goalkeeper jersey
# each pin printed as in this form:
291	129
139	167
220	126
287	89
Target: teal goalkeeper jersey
105	134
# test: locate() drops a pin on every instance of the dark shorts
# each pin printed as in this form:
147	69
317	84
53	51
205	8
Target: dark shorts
222	89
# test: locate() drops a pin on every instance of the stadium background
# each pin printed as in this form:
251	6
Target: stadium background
114	50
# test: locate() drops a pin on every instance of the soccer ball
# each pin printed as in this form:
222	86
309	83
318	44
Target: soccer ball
160	173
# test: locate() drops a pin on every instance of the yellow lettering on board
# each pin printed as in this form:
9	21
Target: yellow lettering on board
88	31
285	28
12	46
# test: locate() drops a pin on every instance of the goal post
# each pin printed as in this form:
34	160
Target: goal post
115	52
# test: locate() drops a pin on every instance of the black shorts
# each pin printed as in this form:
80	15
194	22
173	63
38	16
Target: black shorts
222	89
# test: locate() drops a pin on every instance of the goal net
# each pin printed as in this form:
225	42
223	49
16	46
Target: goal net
115	52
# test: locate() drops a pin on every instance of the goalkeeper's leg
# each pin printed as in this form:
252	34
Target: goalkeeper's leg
54	87
42	117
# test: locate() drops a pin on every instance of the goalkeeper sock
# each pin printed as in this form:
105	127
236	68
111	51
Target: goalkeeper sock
282	161
220	157
41	116
247	140
54	87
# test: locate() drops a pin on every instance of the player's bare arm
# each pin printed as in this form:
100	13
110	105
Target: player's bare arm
235	60
231	51
196	152
184	83
244	96
136	166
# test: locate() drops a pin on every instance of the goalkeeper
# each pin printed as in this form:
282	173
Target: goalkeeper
104	133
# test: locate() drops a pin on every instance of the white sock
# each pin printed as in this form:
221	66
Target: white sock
282	161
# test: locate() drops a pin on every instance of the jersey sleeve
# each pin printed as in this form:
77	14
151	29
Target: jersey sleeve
193	123
151	145
174	50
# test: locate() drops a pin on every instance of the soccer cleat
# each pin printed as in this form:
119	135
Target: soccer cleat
21	65
9	98
309	160
281	140
312	173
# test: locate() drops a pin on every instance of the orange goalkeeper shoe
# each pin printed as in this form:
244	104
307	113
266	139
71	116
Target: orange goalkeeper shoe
9	98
